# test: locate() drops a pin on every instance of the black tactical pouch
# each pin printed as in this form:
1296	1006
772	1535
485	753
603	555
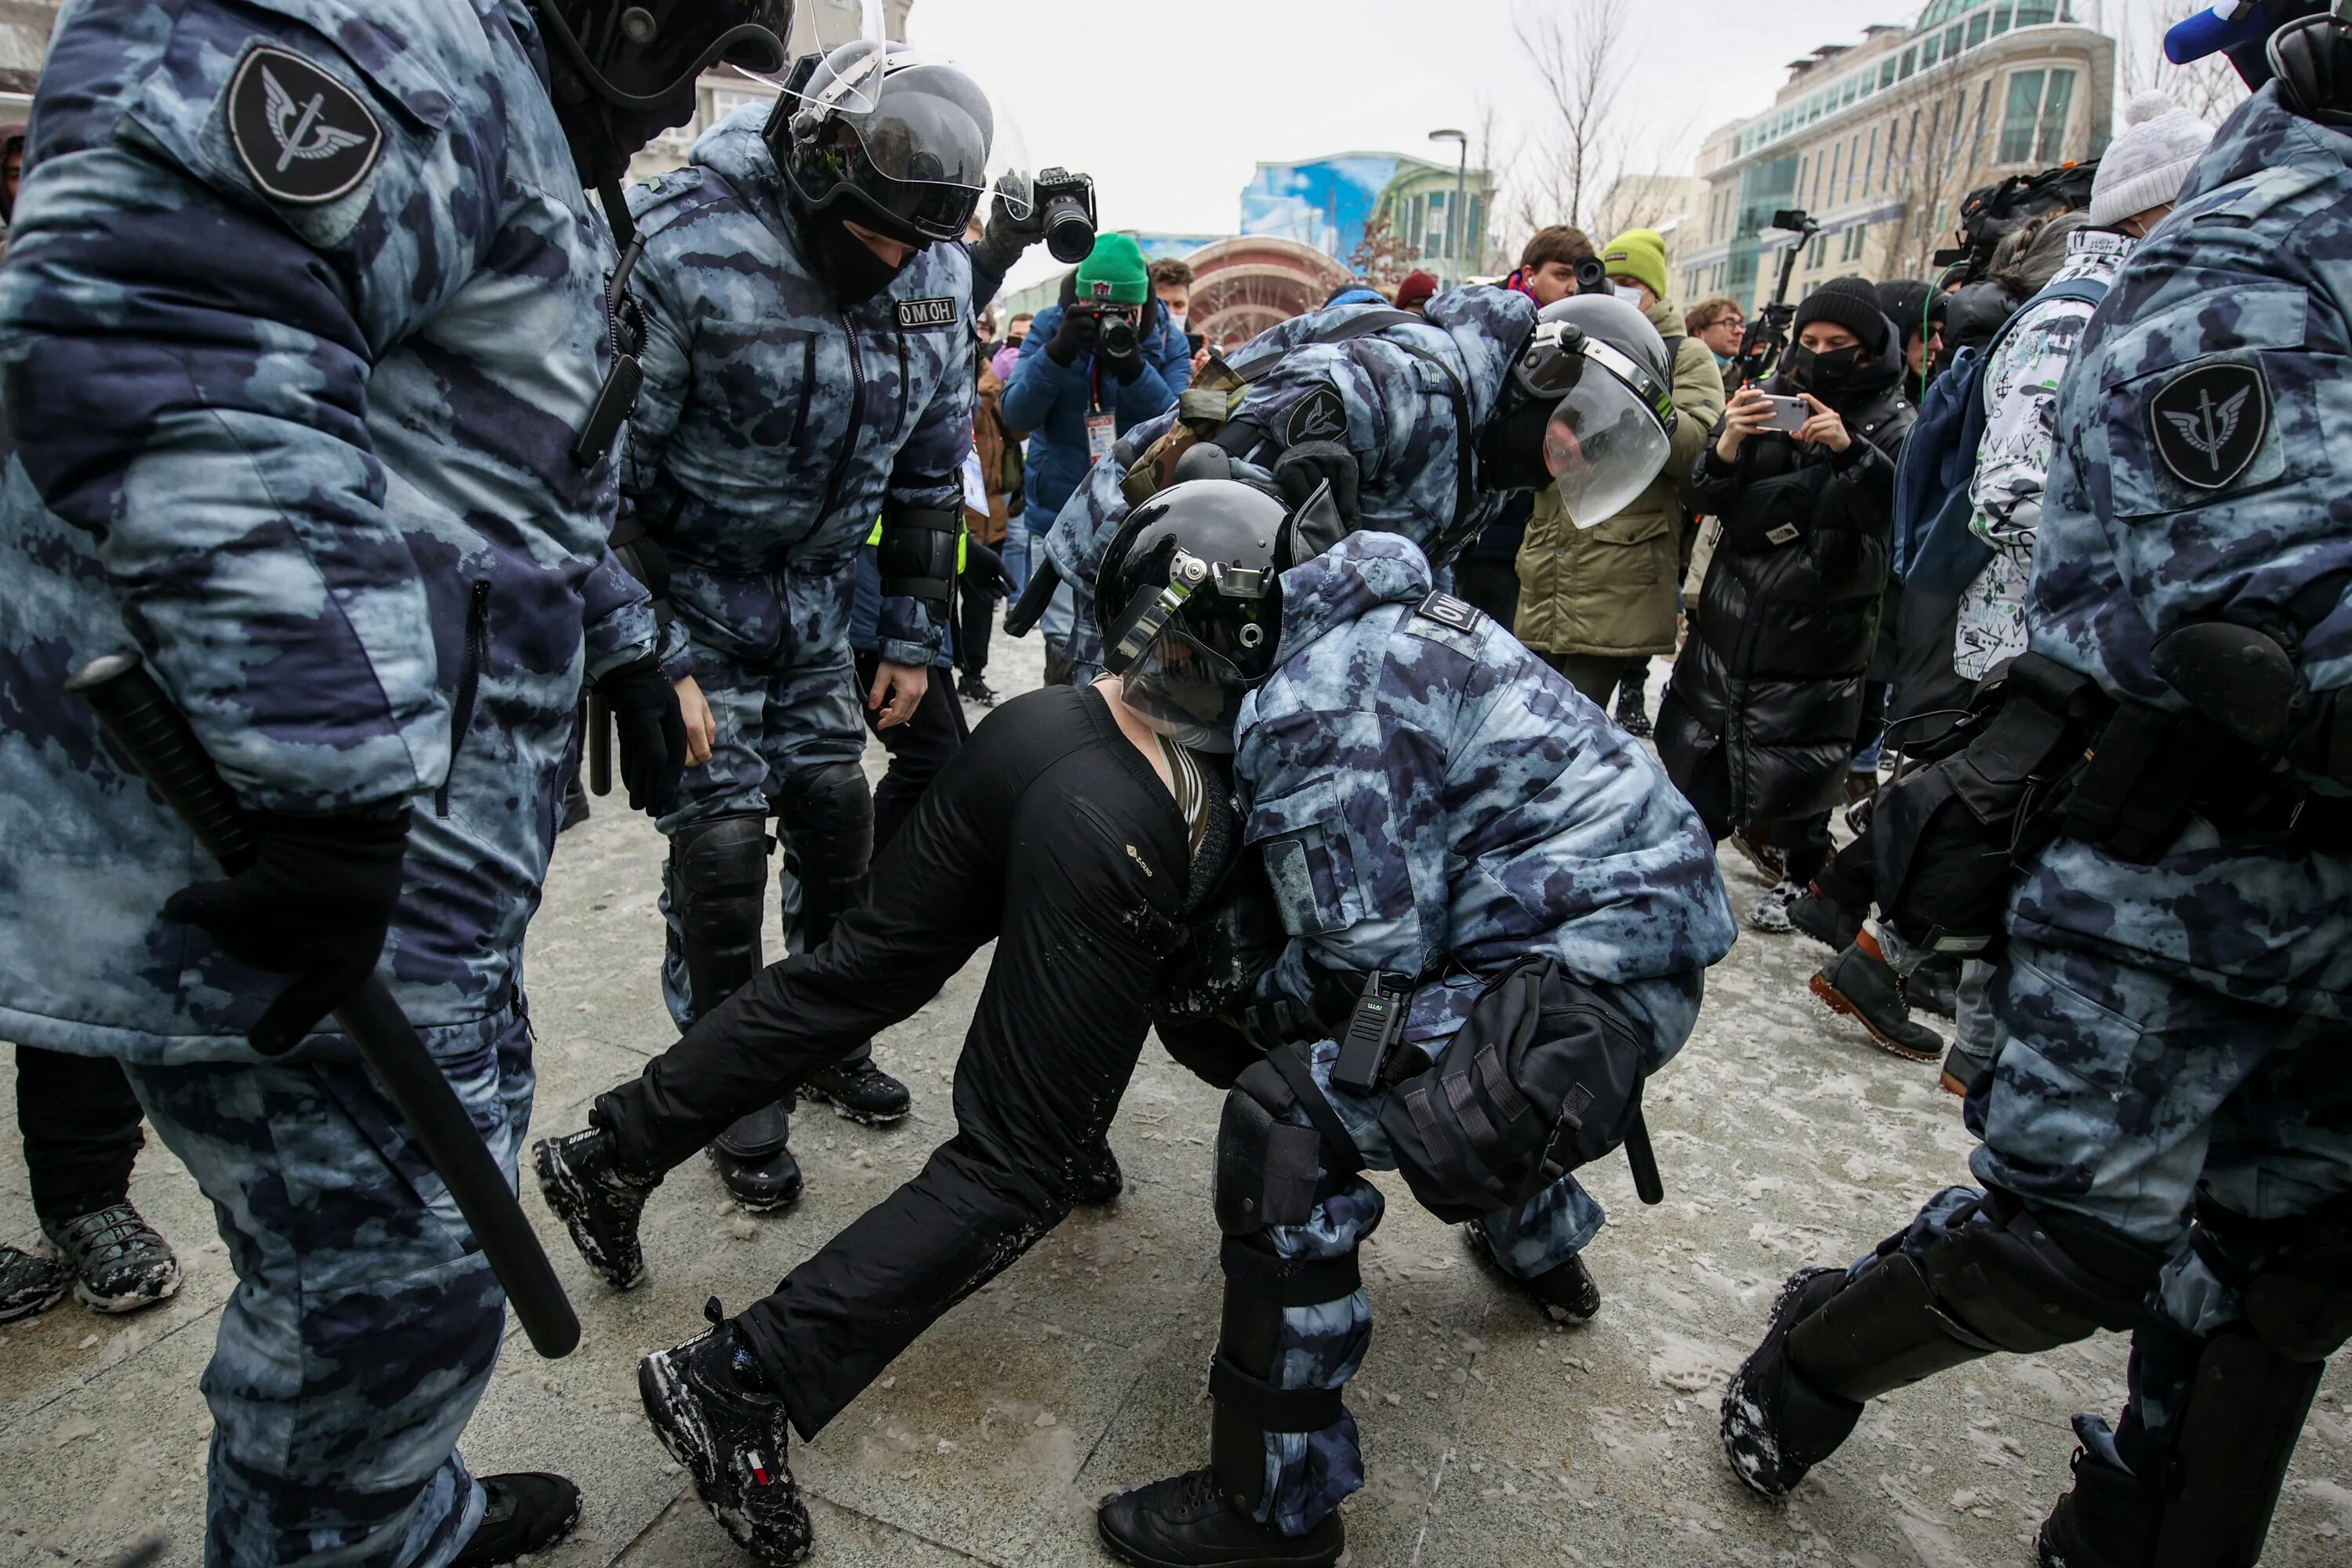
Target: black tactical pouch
1543	1077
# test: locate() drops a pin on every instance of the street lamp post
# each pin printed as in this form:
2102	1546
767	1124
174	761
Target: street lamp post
1455	215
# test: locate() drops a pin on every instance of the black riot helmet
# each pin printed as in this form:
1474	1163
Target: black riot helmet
1189	608
624	71
884	137
1589	407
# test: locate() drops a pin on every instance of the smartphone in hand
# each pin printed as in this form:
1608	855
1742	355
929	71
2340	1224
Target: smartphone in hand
1788	413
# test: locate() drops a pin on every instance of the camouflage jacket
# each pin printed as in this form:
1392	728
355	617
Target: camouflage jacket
773	422
312	453
1394	408
1432	797
2197	475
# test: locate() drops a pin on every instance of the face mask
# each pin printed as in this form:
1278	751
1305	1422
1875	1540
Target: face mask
854	273
1821	373
1175	320
1629	292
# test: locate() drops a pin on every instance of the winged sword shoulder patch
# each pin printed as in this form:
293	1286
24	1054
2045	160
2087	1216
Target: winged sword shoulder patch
303	137
2209	421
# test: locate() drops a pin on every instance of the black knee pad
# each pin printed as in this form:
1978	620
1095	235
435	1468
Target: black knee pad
719	875
1245	1406
829	812
1266	1167
2033	1280
2293	1275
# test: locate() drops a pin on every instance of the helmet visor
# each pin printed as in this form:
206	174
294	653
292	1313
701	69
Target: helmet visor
925	130
1603	447
648	52
1186	689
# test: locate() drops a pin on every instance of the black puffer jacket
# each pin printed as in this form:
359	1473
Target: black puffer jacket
1759	722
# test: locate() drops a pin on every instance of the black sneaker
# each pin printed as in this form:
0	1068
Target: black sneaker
1567	1292
859	1091
1187	1522
1632	712
1098	1180
1825	919
580	1175
1867	990
2107	1520
755	1160
1775	1426
732	1441
119	1263
972	689
528	1511
30	1282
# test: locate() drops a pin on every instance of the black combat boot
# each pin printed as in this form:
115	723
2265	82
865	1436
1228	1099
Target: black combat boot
2107	1520
527	1511
1188	1521
1633	711
755	1162
709	1405
859	1091
1823	919
1777	1426
1098	1179
1865	987
118	1261
1567	1292
580	1177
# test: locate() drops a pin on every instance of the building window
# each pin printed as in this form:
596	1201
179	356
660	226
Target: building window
1869	160
2035	13
1886	73
2000	18
1910	63
1977	25
1976	134
1952	39
1928	52
2053	115
1819	247
2018	115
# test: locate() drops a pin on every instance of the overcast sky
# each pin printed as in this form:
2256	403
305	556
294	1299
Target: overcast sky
1170	106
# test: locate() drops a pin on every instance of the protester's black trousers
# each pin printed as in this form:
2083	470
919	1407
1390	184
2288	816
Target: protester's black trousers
1049	834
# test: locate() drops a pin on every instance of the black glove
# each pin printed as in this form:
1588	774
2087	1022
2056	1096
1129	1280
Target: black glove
652	732
1008	236
1126	366
1301	470
1074	336
315	904
984	570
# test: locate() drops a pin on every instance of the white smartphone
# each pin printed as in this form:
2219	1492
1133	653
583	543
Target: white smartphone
1788	413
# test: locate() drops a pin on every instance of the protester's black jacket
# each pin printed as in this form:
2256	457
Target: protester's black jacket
1758	722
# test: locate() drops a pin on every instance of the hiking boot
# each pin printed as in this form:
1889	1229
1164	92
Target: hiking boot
1632	712
706	1404
1770	913
1188	1521
1769	862
1823	919
527	1511
1777	1426
1935	986
119	1263
1098	1179
2107	1520
1961	1066
1567	1292
755	1162
972	689
580	1177
859	1091
30	1282
1865	987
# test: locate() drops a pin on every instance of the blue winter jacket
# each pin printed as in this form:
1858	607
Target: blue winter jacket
1052	401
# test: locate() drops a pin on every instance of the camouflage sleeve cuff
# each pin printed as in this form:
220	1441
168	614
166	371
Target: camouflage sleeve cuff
677	653
903	632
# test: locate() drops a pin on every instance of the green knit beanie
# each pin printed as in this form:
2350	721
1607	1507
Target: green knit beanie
1119	262
1639	254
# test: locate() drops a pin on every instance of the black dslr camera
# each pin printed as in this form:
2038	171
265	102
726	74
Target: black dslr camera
1117	336
1066	201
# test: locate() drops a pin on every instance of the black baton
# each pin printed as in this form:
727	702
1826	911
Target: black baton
599	744
1643	1161
1044	578
138	715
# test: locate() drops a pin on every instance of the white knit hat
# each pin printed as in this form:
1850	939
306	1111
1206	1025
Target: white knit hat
2147	164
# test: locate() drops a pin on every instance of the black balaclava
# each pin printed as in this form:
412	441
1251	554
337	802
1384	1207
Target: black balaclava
849	268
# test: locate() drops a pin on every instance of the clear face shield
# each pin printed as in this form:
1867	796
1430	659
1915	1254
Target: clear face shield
1608	438
1188	682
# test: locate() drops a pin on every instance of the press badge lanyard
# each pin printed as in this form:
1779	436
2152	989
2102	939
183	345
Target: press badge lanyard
1102	428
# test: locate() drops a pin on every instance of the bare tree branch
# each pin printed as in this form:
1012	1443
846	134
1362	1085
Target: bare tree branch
1578	50
2209	89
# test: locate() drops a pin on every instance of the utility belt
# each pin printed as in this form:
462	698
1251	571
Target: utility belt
2045	754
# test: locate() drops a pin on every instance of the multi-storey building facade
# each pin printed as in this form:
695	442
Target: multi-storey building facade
1880	141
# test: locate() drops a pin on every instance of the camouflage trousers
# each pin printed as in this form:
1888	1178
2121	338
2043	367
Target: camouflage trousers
784	699
2125	1096
1321	1346
364	1322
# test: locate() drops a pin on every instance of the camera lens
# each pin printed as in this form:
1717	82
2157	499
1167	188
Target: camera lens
1118	336
1069	231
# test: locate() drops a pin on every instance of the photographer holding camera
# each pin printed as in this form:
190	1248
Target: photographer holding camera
1107	358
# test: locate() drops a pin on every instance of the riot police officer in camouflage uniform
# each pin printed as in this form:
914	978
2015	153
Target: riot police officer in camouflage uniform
1437	810
305	335
2167	1124
808	339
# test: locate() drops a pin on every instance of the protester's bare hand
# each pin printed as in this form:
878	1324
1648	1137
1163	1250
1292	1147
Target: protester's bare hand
702	728
898	689
1747	412
1825	425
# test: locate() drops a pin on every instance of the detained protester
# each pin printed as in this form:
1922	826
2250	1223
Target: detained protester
1076	830
316	433
1402	414
1597	602
2163	1146
1455	839
1758	722
808	365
